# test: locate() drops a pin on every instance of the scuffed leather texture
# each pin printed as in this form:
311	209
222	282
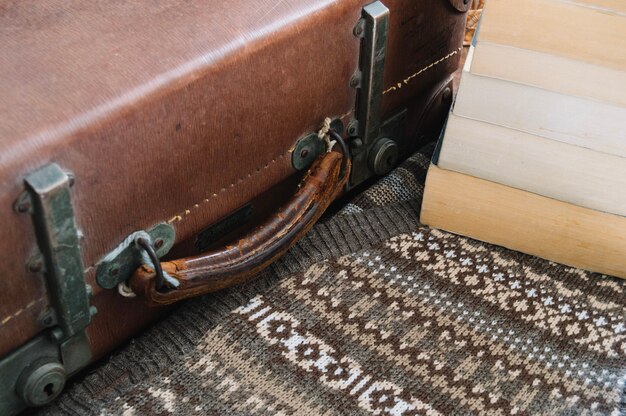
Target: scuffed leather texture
176	112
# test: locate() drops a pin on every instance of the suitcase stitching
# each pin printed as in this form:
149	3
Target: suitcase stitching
8	318
408	79
183	214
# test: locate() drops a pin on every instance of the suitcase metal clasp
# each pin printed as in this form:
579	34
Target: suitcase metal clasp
36	373
373	152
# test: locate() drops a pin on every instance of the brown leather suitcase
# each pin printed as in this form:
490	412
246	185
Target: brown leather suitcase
176	121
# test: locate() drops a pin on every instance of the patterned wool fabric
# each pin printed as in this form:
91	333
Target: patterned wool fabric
373	313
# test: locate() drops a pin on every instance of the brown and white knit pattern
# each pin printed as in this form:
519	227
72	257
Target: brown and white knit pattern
374	313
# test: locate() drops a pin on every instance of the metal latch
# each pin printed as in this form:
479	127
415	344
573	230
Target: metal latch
374	143
373	153
118	265
35	374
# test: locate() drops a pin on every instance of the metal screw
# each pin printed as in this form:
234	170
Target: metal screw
114	271
304	153
158	243
71	178
47	320
352	128
35	264
359	29
23	206
23	203
355	81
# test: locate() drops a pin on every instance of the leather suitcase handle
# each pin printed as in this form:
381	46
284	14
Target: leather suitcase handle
234	264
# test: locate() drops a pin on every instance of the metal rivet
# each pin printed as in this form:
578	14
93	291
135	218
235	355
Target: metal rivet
447	93
359	29
355	81
158	243
23	206
306	150
47	319
71	178
23	203
114	271
35	264
353	128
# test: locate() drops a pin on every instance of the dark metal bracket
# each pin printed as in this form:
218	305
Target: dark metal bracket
117	266
309	147
373	152
36	373
374	143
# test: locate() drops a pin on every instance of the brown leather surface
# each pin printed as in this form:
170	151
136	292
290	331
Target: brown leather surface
158	110
176	112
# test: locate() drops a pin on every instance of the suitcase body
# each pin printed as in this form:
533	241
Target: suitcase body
180	114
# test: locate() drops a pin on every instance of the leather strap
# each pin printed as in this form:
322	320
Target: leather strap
234	264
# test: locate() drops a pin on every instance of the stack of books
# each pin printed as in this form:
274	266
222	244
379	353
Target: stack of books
533	156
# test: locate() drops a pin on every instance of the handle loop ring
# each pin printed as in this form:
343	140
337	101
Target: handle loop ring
344	149
147	246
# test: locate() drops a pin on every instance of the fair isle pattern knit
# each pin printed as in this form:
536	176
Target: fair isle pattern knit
375	314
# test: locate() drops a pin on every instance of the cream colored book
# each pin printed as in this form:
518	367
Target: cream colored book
571	29
546	167
611	6
573	47
551	72
524	221
578	121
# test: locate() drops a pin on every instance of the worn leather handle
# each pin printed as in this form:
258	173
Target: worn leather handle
234	264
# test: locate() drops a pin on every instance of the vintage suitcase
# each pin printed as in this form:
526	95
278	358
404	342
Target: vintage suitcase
131	127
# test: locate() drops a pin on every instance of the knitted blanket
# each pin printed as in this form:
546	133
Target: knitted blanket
374	313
